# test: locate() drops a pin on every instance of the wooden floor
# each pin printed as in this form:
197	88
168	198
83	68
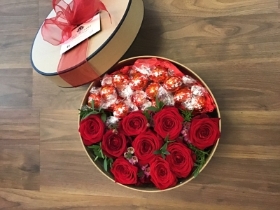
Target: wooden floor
234	45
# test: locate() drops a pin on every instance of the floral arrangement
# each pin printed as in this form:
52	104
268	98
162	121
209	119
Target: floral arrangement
149	124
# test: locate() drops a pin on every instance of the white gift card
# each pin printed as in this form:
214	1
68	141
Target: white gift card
81	33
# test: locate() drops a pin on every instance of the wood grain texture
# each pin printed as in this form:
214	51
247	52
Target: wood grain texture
49	96
20	167
19	127
233	45
64	138
19	23
15	88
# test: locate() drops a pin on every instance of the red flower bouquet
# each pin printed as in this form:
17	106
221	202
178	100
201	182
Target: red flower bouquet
150	124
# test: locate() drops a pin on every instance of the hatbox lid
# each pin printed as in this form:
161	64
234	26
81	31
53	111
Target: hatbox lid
104	48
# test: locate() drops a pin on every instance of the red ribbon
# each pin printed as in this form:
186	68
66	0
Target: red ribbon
58	29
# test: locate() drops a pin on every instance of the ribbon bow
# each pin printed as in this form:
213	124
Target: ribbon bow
58	29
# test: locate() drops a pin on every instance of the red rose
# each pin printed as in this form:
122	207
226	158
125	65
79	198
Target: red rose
180	159
204	131
169	122
145	144
161	175
124	172
113	144
134	123
91	129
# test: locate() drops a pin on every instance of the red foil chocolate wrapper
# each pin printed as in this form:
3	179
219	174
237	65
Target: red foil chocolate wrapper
183	94
159	75
152	90
139	97
120	110
125	91
120	80
96	98
136	87
107	80
139	81
173	83
166	97
108	93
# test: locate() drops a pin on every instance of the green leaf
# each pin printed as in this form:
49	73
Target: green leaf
98	153
95	158
166	152
164	147
90	113
86	111
157	152
196	172
105	164
110	160
97	150
166	139
201	157
163	156
161	105
147	115
187	115
157	102
103	117
94	146
152	108
101	153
